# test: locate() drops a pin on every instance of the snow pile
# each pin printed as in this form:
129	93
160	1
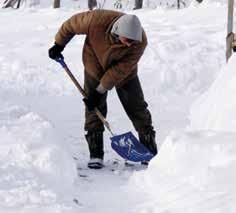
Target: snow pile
215	109
36	170
24	63
199	158
183	58
194	172
24	77
195	168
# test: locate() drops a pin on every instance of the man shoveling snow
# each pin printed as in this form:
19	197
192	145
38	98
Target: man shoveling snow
113	47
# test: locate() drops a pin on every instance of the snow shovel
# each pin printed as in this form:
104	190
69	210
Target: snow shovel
126	145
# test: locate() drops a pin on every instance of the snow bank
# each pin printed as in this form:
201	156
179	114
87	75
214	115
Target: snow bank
36	170
194	171
182	56
199	158
24	77
24	63
215	109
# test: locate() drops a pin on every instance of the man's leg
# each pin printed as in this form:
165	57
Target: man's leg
132	99
94	126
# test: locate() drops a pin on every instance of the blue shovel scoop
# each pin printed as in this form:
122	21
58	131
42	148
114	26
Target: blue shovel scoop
126	145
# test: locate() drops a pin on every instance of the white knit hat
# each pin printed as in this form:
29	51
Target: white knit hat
128	26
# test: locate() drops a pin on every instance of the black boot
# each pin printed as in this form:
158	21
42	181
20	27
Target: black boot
95	144
148	140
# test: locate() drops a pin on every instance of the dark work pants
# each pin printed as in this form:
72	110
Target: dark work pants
132	99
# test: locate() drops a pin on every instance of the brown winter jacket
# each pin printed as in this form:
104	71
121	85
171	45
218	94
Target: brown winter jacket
104	57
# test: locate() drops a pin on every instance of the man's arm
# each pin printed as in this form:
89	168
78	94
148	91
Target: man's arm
77	24
122	69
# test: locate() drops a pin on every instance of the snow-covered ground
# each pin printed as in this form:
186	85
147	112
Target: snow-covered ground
190	91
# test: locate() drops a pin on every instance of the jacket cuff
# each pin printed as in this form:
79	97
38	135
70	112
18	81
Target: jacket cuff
101	89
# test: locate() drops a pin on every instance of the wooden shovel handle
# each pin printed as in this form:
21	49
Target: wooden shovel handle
72	77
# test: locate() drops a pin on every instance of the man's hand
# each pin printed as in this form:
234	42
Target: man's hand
55	51
93	100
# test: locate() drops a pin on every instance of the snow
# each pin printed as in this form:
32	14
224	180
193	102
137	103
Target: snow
190	91
206	112
194	173
33	165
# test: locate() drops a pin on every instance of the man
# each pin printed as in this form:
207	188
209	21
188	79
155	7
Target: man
113	46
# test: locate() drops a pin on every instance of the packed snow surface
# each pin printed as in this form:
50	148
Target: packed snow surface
190	91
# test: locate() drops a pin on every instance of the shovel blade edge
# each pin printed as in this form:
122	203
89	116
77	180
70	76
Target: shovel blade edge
128	147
